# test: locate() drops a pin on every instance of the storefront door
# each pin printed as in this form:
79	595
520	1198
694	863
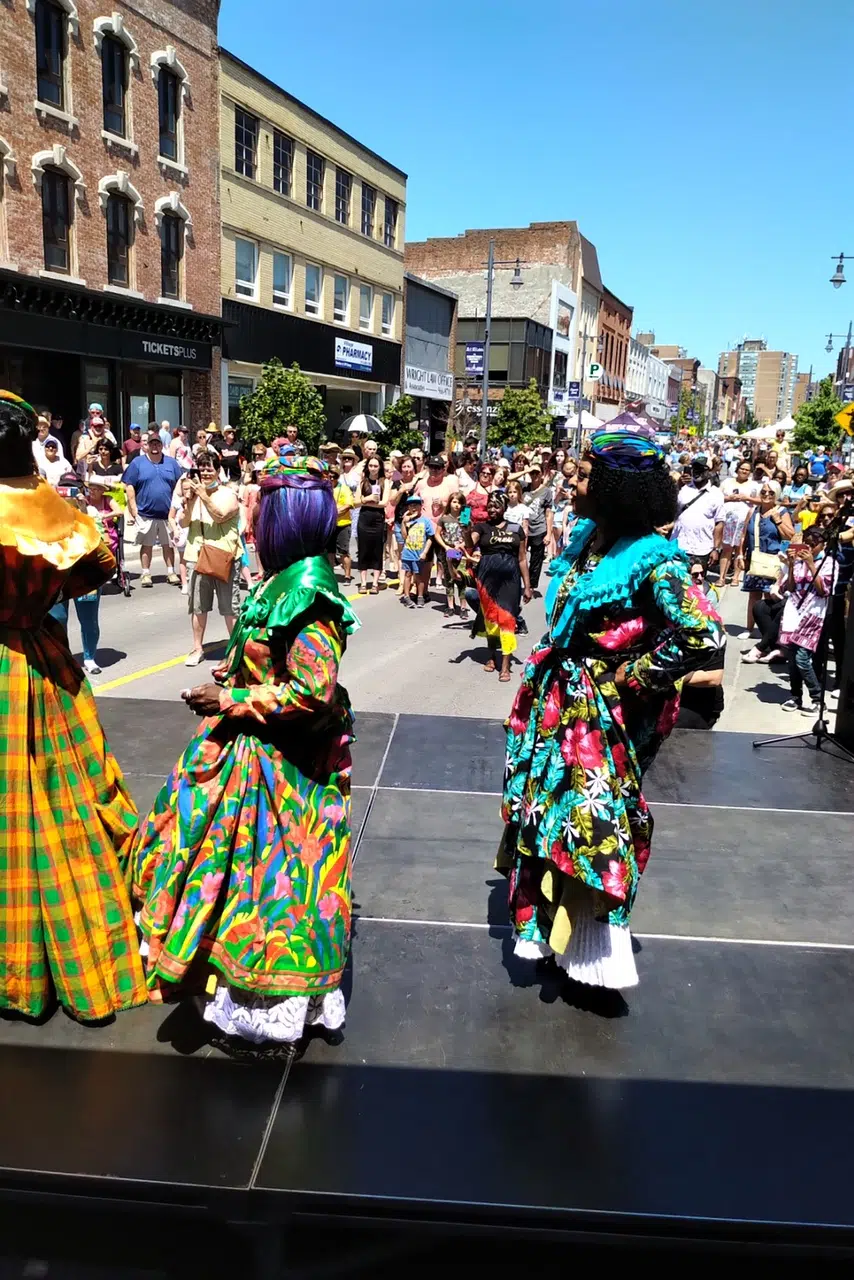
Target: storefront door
150	395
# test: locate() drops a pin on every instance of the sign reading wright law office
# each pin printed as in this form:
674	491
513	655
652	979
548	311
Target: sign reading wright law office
430	383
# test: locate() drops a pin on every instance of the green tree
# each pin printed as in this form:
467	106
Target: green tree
815	420
749	421
283	398
400	426
522	418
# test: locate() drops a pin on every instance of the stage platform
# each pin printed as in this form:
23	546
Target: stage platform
712	1108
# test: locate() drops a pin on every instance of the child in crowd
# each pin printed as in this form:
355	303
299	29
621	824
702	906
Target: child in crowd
340	542
450	537
248	493
417	533
178	533
807	589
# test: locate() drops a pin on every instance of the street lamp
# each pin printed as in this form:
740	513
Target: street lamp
845	351
838	277
516	280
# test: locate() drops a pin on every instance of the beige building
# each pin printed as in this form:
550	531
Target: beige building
767	378
312	249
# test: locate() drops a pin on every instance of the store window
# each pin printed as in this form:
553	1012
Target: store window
238	390
245	269
283	163
151	395
340	299
50	23
282	278
98	389
56	221
313	287
119	233
114	85
245	142
314	168
169	107
366	306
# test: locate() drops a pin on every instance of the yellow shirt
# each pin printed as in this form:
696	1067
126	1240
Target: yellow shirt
807	518
345	502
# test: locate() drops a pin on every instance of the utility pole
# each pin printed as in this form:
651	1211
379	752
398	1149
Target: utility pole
581	394
484	418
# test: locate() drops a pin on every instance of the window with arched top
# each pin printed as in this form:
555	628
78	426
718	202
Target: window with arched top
56	220
173	90
172	220
120	223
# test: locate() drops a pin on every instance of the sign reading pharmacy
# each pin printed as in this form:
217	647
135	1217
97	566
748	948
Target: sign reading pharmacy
353	355
429	383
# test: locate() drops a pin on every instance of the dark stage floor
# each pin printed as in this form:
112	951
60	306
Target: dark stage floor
715	1100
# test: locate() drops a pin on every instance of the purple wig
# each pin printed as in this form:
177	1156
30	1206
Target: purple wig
294	521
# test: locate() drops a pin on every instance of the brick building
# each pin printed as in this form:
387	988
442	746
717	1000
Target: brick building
109	211
312	249
615	333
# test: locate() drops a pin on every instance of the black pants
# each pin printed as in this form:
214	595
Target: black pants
370	537
768	614
836	623
537	554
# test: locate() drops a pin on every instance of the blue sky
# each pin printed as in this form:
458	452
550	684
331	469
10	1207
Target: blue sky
704	147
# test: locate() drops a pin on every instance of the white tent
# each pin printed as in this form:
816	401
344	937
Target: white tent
588	422
725	433
786	424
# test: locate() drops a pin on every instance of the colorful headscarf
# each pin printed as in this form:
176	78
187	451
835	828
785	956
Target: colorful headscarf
293	472
19	402
626	450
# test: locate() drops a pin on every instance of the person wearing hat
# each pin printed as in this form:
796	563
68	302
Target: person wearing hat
540	500
133	444
699	527
417	531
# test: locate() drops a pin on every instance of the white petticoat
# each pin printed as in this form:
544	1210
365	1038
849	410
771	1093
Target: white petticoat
598	953
283	1021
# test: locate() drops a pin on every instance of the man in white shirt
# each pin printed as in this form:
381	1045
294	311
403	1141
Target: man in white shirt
699	527
467	474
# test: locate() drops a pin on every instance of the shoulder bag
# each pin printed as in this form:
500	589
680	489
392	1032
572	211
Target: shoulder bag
763	564
213	562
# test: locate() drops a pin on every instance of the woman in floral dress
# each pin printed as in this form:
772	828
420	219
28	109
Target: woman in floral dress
243	868
599	695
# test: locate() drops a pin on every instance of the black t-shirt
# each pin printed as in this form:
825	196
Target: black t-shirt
112	469
495	541
230	455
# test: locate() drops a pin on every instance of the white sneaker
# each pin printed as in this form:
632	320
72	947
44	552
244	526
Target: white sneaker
145	580
185	590
92	667
744	635
195	659
812	709
791	705
753	655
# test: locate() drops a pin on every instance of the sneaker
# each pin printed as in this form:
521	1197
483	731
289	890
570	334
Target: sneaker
753	655
791	705
744	635
145	580
409	602
420	602
92	667
185	590
776	655
812	709
195	659
173	579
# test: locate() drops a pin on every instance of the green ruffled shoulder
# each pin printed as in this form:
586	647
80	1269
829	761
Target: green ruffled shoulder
276	602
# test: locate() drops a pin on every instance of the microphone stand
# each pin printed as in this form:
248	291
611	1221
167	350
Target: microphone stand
820	733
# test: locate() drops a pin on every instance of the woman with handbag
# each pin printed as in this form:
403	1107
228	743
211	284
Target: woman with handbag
767	530
212	517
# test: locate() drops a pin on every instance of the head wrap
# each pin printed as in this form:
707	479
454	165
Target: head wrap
499	495
626	450
11	398
293	472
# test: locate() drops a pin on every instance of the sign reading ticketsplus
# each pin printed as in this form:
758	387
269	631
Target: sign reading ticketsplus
180	353
429	383
353	355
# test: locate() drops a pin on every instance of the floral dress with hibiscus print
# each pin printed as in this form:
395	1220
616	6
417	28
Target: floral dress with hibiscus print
243	867
576	753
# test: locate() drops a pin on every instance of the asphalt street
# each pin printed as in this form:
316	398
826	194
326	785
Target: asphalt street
401	660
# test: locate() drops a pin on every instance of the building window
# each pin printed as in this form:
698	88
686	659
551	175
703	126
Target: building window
50	53
119	224
388	312
114	85
340	299
313	286
366	305
282	276
343	186
369	201
169	104
390	225
56	221
245	268
283	163
245	142
171	253
314	180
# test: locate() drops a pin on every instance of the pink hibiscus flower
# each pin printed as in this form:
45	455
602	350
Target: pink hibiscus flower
582	745
521	709
621	758
667	717
622	634
615	879
551	712
703	603
211	882
328	906
284	885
